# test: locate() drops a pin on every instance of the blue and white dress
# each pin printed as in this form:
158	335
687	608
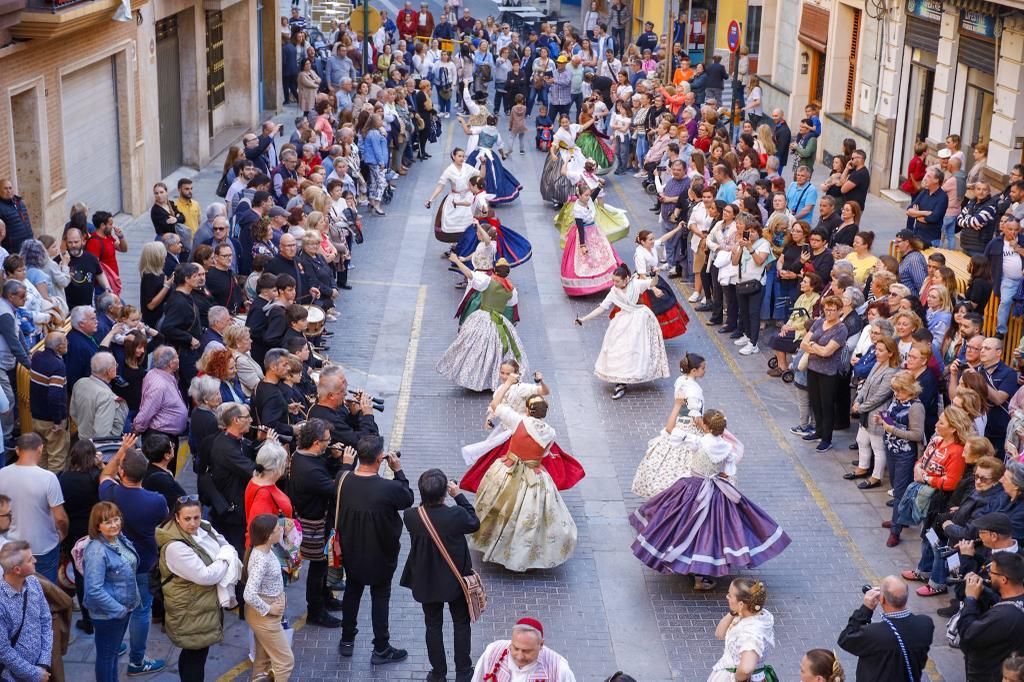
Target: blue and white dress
499	182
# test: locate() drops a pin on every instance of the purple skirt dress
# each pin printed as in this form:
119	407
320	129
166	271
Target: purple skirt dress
703	525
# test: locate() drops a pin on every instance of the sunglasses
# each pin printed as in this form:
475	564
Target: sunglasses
184	499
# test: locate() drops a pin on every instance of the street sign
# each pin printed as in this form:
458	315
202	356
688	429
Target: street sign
733	36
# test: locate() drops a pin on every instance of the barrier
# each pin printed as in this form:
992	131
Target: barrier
959	263
23	380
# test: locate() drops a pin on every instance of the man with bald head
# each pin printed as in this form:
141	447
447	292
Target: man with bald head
284	263
48	400
349	418
899	641
782	136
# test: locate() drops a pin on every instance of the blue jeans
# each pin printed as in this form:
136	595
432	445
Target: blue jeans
48	564
642	146
139	631
1007	289
445	105
932	565
535	94
622	155
948	239
109	634
901	475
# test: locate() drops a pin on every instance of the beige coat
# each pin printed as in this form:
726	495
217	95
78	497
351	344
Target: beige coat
309	82
97	411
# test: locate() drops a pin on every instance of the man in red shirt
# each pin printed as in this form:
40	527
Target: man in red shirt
106	241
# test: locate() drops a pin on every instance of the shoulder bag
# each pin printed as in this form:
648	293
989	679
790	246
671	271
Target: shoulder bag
333	547
17	633
472	585
953	626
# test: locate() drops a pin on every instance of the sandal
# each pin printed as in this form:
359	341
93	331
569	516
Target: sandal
914	576
929	591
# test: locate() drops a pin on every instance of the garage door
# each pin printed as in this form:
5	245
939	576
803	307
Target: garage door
92	158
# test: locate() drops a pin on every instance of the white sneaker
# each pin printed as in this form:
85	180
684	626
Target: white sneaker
749	349
694	297
742	341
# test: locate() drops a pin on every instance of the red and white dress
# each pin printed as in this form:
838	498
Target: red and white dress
496	665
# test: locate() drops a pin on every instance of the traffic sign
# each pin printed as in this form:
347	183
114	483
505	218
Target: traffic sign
733	36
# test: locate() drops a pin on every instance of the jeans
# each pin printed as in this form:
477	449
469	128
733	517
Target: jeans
621	155
750	314
619	40
541	95
576	101
642	147
109	634
80	592
433	618
48	564
139	627
948	239
444	105
901	473
192	664
380	602
932	565
820	391
1007	289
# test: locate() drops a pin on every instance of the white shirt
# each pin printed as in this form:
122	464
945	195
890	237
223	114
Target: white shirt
34	492
1011	262
516	674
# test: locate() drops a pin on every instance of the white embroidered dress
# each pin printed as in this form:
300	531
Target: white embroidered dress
633	351
455	218
669	453
754	633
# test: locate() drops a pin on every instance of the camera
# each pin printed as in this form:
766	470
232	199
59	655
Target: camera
864	589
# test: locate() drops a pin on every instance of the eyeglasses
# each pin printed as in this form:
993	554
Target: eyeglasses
184	499
111	521
220	229
982	479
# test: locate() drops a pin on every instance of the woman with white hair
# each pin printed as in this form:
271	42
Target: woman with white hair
202	427
262	496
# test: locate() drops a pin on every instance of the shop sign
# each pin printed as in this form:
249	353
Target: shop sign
978	23
925	9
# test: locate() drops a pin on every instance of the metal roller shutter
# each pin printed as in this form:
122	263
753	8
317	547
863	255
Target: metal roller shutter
92	158
977	54
922	34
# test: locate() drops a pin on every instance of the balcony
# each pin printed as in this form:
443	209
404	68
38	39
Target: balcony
49	19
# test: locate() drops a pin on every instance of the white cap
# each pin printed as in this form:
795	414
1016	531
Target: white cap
944	153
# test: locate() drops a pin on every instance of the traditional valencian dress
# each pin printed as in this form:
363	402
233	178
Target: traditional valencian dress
496	665
590	272
524	523
668	454
486	338
614	222
594	146
671	316
499	182
507	244
702	524
456	210
554	186
515	397
632	351
754	633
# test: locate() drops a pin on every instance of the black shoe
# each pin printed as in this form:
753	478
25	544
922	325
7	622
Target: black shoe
853	475
726	330
346	649
951	610
389	655
704	308
332	604
712	322
654	209
854	446
84	625
890	503
346	287
325	620
736	334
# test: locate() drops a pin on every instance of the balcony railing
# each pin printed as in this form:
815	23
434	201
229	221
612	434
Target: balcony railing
54	5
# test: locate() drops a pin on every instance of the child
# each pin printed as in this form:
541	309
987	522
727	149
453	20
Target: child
811	112
545	131
265	599
517	123
130	319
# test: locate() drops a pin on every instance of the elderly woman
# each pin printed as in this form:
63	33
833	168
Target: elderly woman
262	496
38	271
872	398
220	364
823	344
194	558
316	269
206	395
109	564
238	340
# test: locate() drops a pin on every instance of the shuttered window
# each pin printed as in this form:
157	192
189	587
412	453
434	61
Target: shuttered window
851	74
214	62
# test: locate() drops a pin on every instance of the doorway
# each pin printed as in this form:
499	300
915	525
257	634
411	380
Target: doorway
169	85
918	107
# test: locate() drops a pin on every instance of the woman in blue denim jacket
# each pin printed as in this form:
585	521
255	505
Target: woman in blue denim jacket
109	564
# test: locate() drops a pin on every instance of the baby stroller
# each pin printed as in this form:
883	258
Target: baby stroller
788	375
544	137
799	316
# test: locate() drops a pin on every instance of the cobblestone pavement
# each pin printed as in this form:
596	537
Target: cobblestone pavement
602	609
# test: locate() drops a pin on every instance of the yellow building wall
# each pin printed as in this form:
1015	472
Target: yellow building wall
649	10
729	10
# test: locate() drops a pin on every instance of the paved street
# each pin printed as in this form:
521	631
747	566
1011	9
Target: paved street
602	609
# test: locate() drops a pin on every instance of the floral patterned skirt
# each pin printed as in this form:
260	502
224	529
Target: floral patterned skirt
666	461
591	272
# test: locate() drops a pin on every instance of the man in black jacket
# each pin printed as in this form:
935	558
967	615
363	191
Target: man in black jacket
782	136
988	638
268	400
284	263
429	576
349	420
256	319
231	466
371	536
182	323
312	488
886	650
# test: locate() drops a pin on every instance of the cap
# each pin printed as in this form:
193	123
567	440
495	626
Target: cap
278	212
944	153
562	59
996	522
906	235
535	624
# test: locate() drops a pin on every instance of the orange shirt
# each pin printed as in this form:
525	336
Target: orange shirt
680	75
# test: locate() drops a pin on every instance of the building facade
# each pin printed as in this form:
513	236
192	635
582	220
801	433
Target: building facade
96	109
887	73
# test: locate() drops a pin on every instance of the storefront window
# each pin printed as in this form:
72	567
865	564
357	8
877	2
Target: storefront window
977	124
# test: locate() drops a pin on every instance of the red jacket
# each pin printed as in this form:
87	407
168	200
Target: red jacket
943	464
408	22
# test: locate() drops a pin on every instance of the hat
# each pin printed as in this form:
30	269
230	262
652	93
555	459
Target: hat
907	235
996	522
562	59
1016	471
533	622
499	263
944	153
278	212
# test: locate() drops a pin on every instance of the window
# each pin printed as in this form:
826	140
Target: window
214	62
851	74
752	39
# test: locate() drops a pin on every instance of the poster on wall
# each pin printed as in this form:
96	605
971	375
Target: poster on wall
978	23
925	9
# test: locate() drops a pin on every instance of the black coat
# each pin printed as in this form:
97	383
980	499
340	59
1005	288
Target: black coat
256	321
877	650
231	467
279	265
224	290
182	321
988	638
271	407
312	485
346	428
783	137
370	527
426	572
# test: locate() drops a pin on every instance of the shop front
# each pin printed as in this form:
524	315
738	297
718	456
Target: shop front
976	61
921	48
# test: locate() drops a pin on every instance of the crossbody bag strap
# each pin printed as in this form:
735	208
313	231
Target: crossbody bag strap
24	610
443	550
903	648
337	499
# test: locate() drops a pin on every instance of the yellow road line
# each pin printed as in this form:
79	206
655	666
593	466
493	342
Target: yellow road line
405	389
245	665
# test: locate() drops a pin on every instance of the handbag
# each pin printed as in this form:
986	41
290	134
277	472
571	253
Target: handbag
223	186
749	288
472	585
333	547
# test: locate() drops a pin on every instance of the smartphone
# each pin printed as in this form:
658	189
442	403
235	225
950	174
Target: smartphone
887	419
806	249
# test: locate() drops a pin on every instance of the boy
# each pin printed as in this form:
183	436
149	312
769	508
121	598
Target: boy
544	129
